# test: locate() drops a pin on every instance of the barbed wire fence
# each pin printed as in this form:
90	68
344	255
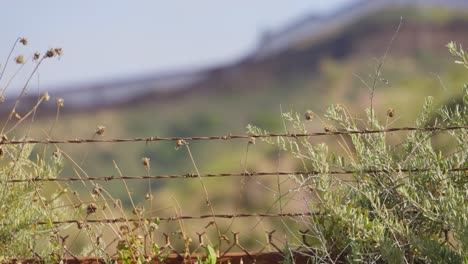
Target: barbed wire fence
117	228
227	137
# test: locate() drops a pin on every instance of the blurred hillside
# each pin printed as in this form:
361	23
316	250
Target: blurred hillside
361	28
309	72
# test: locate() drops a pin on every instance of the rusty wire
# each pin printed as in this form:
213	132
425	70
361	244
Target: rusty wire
235	174
226	137
172	218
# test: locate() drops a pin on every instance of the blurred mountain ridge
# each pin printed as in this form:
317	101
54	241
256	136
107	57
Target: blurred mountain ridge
364	26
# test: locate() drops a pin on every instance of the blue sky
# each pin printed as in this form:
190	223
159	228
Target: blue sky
114	39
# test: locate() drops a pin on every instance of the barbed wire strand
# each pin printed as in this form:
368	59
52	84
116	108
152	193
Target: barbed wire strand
172	218
226	137
235	174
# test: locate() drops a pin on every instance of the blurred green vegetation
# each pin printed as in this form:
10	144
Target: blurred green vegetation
405	82
434	16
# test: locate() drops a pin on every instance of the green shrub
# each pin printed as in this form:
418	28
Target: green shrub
24	204
405	203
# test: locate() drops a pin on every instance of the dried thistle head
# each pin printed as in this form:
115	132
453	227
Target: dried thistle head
58	51
46	96
137	224
20	59
136	210
391	112
97	190
146	162
23	41
180	143
251	141
100	130
91	208
37	55
124	229
309	115
50	53
153	226
60	102
82	225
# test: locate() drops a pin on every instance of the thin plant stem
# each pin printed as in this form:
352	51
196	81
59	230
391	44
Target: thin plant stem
8	58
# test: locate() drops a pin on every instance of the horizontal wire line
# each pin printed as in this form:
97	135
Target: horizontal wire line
173	218
227	137
236	174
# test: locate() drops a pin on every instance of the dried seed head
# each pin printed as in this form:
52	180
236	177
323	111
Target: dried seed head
37	55
100	130
391	112
136	211
56	154
180	143
91	208
124	229
17	116
24	41
327	129
46	96
20	59
146	162
60	102
153	226
97	190
82	225
4	139
148	196
309	115
50	53
136	224
140	223
251	141
58	51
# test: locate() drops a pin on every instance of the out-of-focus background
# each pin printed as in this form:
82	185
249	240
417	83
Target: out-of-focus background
203	68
